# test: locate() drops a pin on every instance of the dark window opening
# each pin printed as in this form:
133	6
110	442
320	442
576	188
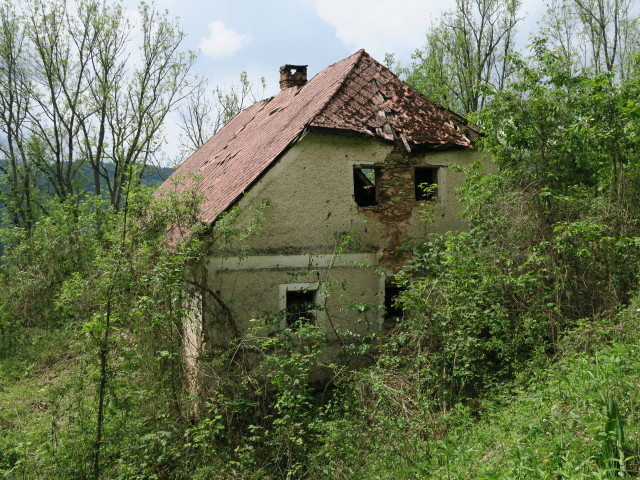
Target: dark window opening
393	312
391	308
301	307
364	186
426	183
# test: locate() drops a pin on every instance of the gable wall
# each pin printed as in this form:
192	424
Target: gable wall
310	195
311	202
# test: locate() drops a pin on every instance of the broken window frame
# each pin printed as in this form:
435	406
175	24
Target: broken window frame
365	188
426	182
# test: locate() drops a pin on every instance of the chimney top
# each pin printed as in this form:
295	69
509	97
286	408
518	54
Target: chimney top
292	76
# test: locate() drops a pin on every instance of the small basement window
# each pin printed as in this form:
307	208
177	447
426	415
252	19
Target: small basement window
300	307
393	312
426	183
364	186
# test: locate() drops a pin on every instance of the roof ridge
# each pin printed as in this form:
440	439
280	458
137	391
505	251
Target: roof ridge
360	54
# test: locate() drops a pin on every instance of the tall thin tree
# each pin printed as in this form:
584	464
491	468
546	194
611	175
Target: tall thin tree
467	54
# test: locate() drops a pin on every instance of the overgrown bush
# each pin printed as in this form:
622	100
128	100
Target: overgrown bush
550	259
555	234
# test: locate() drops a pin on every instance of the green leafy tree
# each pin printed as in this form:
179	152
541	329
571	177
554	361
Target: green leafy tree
72	99
558	129
600	34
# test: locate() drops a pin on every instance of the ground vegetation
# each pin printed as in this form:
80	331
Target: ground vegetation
516	356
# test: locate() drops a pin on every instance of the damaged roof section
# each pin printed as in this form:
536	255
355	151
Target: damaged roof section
373	101
356	94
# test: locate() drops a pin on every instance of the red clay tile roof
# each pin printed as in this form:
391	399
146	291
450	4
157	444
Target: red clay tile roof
373	101
356	94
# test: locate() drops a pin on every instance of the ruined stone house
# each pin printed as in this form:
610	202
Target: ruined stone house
343	155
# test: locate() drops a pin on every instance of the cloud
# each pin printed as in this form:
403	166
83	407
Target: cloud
380	26
222	41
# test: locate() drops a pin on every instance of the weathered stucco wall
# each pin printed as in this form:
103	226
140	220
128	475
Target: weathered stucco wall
311	206
310	194
256	293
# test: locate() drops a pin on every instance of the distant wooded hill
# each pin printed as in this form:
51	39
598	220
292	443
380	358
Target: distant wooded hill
152	176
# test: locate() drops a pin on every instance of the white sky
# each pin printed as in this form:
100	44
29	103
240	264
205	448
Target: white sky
258	36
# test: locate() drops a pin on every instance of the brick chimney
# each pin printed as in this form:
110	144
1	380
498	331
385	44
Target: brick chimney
292	76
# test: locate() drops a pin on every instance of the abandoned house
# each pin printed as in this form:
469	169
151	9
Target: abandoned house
344	156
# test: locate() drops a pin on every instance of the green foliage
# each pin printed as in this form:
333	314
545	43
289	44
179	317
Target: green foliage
514	350
256	420
116	286
33	267
548	425
462	387
475	319
557	129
